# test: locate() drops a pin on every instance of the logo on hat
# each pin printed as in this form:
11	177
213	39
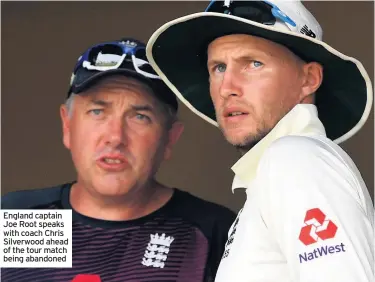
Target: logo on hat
130	44
317	227
307	31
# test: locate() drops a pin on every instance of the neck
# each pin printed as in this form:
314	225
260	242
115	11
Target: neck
244	149
139	203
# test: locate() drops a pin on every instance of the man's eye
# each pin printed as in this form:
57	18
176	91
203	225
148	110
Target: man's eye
142	117
96	112
220	68
257	64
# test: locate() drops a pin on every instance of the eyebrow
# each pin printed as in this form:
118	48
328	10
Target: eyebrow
146	108
134	107
100	102
211	63
244	57
238	59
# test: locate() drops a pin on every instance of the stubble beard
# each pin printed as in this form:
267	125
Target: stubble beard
264	126
245	143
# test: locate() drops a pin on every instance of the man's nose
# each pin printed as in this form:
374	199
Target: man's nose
116	134
230	85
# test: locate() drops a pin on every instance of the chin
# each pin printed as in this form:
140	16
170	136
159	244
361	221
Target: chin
110	191
243	140
236	136
108	186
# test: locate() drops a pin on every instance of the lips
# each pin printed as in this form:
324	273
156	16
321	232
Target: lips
114	163
234	112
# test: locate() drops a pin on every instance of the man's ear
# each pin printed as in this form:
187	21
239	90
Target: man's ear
65	119
174	135
313	79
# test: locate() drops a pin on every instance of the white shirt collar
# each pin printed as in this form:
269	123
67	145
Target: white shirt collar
301	120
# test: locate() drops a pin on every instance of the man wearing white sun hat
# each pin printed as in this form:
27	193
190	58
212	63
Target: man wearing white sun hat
260	71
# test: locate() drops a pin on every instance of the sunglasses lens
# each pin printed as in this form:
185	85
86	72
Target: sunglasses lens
256	11
105	55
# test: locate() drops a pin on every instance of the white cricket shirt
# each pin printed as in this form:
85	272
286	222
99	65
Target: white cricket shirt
308	215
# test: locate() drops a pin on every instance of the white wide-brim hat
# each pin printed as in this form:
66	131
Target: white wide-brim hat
178	53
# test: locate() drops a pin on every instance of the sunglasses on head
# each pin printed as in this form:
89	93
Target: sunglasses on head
117	54
262	12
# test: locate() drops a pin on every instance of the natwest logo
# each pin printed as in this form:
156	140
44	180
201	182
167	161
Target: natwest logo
321	251
317	227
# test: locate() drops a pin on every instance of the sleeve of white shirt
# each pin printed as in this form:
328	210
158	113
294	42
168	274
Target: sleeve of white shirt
319	211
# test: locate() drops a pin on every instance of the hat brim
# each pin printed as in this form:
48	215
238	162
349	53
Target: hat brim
177	52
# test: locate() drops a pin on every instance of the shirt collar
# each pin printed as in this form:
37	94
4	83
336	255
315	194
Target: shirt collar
301	120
